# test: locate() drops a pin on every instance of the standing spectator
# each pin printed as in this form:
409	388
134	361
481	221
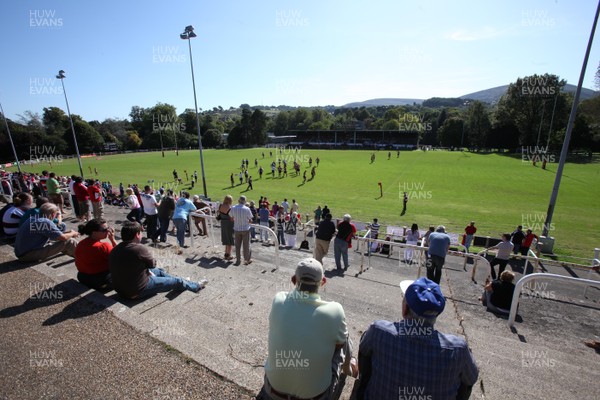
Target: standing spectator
91	254
74	201
242	216
498	294
395	358
165	212
469	233
343	241
325	233
290	230
33	237
95	193
263	215
426	235
83	199
311	331
326	210
44	183
151	211
439	244
22	202
227	238
136	211
295	206
275	209
527	242
412	237
200	208
133	271
517	238
183	208
53	188
504	248
285	205
318	212
374	228
281	227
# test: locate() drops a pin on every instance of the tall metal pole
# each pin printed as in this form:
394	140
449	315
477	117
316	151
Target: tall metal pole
197	118
10	138
552	119
565	148
61	76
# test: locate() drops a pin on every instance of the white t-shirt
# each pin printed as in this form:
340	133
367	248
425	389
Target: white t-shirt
303	333
149	203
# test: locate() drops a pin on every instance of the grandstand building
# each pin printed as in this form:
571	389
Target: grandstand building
355	139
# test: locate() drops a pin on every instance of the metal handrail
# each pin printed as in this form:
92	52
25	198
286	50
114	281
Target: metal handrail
208	217
272	233
554	277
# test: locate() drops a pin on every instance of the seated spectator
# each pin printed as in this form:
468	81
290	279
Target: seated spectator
308	340
133	271
91	254
10	220
396	357
499	293
39	238
36	211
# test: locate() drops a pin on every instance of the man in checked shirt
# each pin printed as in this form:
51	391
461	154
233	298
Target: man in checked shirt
409	359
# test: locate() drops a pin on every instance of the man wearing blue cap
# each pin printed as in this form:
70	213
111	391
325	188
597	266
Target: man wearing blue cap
410	359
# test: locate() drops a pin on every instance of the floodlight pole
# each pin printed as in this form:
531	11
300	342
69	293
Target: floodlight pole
187	35
565	147
61	76
10	138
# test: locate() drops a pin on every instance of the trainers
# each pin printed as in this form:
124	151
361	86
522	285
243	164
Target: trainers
248	262
203	283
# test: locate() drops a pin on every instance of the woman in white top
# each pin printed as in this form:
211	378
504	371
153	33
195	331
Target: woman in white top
136	211
412	237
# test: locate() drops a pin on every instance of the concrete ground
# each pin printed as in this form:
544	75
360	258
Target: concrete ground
223	328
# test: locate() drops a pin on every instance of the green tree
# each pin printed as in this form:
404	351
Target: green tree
212	138
281	123
88	139
258	128
527	100
478	124
133	141
450	133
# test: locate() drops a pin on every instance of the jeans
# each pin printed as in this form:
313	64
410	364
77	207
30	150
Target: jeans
281	237
163	282
468	240
434	268
180	225
163	228
340	249
135	215
264	235
152	227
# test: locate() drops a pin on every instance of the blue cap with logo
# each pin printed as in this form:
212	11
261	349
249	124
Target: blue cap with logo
424	297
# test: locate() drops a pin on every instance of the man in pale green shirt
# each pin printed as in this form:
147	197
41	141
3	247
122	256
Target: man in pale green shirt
308	340
54	194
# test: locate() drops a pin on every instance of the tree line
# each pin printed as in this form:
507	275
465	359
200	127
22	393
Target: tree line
534	111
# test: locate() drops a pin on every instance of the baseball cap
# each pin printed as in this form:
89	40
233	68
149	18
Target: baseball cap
424	297
309	270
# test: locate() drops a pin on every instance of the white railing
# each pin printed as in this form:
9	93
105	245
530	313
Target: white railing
275	240
553	277
420	259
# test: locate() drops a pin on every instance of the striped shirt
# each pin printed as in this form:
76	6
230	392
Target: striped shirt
241	217
10	221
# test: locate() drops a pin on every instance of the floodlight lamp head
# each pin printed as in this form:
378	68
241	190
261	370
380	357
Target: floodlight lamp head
61	74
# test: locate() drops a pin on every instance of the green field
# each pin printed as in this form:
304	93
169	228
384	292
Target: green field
451	188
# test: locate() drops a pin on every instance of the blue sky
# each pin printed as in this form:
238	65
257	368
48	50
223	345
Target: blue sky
121	53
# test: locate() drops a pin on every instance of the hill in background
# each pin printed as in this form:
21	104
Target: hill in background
490	96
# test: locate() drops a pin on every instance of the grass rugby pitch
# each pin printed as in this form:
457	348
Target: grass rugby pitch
498	192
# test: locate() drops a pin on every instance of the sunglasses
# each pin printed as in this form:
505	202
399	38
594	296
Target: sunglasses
102	229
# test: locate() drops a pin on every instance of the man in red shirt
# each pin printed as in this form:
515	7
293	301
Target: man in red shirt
83	198
95	194
526	244
469	233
